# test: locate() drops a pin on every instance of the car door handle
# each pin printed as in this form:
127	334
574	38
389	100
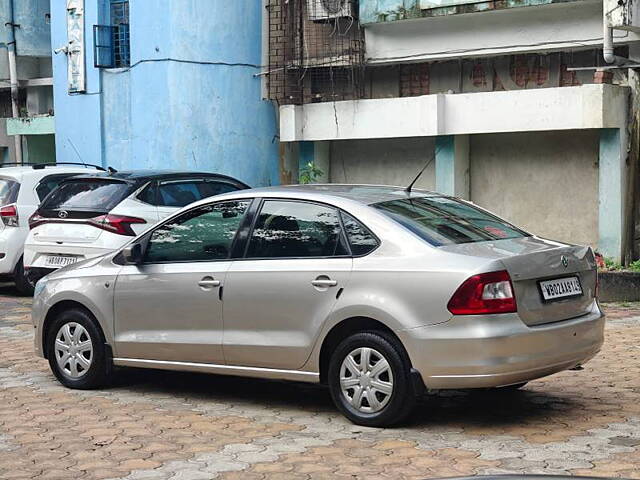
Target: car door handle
208	282
324	282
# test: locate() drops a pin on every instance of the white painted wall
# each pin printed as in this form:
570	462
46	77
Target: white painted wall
546	183
394	161
566	108
571	25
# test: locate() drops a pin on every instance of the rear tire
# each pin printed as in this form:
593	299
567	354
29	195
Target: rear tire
76	350
369	380
23	284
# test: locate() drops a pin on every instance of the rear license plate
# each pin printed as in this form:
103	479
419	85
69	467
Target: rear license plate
59	260
560	288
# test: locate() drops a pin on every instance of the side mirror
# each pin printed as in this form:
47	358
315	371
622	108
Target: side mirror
132	254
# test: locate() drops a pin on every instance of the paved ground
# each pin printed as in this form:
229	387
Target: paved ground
158	425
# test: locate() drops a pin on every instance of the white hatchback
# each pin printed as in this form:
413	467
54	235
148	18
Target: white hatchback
22	188
91	215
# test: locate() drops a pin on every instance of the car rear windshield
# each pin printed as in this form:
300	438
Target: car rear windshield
446	221
96	195
8	191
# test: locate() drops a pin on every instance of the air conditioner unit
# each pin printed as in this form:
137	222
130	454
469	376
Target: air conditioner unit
319	10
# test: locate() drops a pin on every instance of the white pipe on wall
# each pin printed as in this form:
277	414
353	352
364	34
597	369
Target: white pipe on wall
13	80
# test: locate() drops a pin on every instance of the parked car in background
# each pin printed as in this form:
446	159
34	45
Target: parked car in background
92	215
375	291
22	188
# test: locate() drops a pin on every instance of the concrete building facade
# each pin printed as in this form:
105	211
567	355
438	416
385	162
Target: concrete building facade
164	84
512	105
27	127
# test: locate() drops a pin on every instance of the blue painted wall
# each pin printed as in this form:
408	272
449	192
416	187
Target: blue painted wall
33	38
78	117
190	112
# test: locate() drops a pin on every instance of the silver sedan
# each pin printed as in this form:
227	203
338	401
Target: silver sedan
377	292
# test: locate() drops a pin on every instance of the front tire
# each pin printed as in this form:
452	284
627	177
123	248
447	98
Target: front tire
76	350
369	380
23	284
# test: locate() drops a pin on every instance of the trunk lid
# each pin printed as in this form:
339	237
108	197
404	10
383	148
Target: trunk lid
530	260
65	232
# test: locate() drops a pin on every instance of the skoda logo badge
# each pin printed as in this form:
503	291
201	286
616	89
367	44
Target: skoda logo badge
64	214
565	261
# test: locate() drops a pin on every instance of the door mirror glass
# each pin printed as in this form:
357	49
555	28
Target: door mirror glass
132	254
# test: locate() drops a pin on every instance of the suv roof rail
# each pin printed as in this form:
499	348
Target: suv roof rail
40	166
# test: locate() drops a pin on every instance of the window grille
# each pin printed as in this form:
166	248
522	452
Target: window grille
111	42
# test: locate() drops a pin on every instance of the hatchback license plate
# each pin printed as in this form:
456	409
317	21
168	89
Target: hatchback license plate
560	288
60	260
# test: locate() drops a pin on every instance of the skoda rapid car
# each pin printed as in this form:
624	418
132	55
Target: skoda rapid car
377	292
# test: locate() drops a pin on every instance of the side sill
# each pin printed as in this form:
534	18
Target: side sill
294	375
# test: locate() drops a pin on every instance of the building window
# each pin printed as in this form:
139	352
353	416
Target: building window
120	23
111	42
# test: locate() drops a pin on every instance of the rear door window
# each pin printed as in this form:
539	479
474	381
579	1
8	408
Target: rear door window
288	229
87	195
361	240
446	221
181	193
8	191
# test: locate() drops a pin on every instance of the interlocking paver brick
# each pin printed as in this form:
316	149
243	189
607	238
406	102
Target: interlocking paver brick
162	425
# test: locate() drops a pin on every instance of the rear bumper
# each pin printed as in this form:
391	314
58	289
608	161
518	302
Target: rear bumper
481	352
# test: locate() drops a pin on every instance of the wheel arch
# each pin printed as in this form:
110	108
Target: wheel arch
347	327
55	310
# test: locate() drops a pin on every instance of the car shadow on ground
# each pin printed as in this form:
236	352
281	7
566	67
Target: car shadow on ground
8	290
450	409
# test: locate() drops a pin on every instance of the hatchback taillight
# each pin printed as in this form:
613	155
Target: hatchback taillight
116	224
484	294
9	215
35	220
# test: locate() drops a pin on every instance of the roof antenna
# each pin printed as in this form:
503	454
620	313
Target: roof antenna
410	187
77	152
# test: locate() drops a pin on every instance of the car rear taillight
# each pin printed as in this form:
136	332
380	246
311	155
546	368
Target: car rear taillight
9	215
116	224
484	293
35	220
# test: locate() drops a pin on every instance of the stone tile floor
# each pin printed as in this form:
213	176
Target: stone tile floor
164	425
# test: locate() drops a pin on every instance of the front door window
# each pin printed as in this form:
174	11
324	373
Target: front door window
203	234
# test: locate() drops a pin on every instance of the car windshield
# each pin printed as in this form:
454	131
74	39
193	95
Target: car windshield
8	191
445	221
93	194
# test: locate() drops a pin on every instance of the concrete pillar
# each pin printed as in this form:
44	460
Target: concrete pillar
452	165
289	162
320	154
611	193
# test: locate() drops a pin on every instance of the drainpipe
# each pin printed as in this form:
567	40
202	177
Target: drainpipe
13	78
